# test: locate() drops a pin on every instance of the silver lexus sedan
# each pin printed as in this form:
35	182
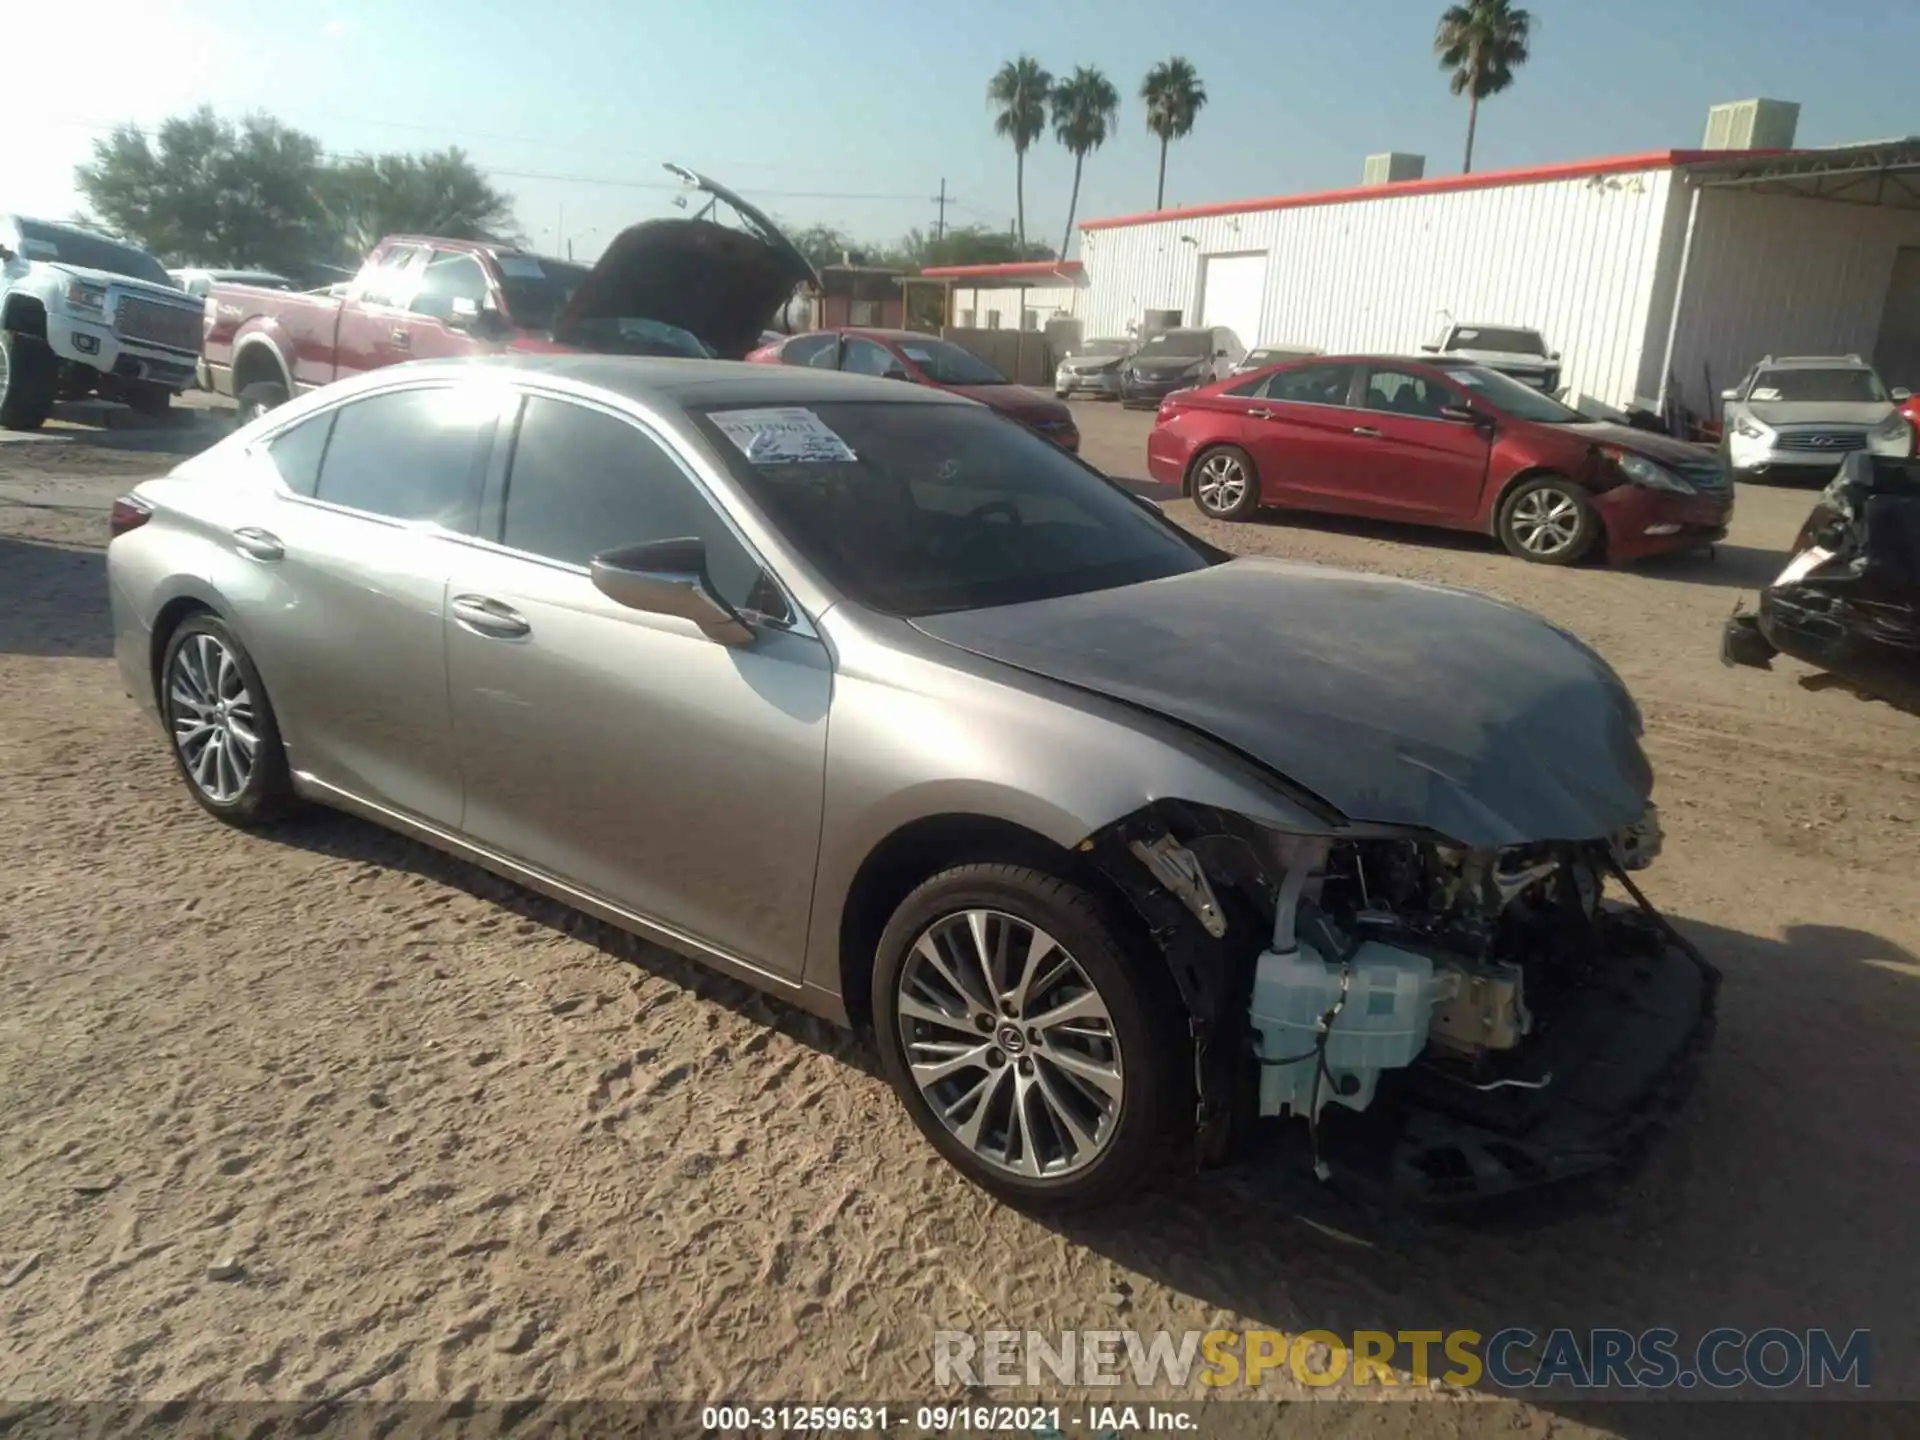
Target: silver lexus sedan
861	693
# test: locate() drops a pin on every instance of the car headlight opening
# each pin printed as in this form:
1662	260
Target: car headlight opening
1639	470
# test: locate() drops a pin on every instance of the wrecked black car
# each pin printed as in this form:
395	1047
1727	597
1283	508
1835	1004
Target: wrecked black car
1848	602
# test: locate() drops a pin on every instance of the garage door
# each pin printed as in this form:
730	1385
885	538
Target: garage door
1231	291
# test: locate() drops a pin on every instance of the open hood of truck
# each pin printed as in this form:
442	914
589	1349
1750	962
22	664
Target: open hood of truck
722	283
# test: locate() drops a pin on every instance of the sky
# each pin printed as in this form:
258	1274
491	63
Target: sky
852	112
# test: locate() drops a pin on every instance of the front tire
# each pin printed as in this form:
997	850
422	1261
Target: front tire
1548	520
1028	1038
28	378
226	740
1224	483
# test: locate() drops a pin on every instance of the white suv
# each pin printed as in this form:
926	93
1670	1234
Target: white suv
1797	417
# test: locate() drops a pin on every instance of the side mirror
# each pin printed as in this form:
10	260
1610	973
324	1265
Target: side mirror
1465	414
489	324
1553	355
1902	395
1219	354
1430	348
669	577
6	255
895	374
1733	394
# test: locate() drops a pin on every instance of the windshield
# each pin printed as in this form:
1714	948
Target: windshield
1850	386
90	252
1509	396
1274	355
536	288
1493	337
916	509
1169	343
946	364
1100	347
630	335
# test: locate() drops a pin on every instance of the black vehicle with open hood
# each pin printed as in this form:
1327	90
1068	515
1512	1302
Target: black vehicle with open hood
718	283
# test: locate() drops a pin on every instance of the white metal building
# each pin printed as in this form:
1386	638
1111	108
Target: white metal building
1657	274
1012	297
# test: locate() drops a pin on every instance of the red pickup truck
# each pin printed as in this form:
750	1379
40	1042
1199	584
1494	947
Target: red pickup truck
664	287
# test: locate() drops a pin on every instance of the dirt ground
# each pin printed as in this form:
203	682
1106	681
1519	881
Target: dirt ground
324	1114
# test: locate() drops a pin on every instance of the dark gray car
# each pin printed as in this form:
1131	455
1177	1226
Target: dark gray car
862	693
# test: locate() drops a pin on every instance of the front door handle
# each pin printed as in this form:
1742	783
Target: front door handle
1261	414
489	617
258	544
1366	430
403	338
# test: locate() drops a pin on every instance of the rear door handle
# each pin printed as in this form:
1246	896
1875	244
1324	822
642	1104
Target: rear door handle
258	544
403	338
1367	430
489	617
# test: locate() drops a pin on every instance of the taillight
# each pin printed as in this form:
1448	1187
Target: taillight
128	514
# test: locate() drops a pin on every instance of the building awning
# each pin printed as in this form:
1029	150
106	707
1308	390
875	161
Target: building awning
1035	272
1881	172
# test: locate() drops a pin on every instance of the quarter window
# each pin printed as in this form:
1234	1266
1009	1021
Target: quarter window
411	455
296	453
583	481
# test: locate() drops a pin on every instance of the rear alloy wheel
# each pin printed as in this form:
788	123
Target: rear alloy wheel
27	380
1549	520
1024	1039
1224	484
226	740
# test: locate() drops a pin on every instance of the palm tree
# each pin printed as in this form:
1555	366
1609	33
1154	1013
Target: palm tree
1085	108
1019	91
1482	42
1174	95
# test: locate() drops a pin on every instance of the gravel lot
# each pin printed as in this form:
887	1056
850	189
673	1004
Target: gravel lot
327	1115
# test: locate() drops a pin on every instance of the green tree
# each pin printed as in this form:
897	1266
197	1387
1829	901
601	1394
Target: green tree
1174	97
1018	92
961	245
205	191
442	193
1085	109
1482	42
826	244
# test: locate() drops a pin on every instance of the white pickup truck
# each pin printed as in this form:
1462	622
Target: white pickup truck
1511	349
83	314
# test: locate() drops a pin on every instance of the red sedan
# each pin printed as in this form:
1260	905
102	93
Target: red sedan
1447	444
925	360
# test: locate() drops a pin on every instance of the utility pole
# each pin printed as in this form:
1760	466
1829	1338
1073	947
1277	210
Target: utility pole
940	225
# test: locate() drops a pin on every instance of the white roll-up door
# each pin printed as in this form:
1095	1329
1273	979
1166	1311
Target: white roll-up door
1232	288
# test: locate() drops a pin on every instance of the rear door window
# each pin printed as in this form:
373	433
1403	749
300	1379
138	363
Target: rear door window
412	455
1311	385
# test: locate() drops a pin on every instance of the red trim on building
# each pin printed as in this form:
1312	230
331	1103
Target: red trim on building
1012	270
1442	184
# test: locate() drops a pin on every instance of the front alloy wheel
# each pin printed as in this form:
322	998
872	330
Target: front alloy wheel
1550	521
1035	1037
1010	1043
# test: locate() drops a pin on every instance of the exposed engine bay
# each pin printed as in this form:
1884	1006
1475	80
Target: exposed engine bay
1446	1023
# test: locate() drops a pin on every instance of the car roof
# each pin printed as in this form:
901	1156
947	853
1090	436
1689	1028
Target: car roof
687	383
877	333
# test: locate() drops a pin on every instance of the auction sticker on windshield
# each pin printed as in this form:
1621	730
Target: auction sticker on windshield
788	435
520	267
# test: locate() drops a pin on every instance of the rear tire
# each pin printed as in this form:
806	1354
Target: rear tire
255	400
1100	1092
225	738
1224	484
1549	520
28	376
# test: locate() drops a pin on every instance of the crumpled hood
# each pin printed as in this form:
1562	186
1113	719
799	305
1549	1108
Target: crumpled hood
718	283
1664	448
1819	412
1395	702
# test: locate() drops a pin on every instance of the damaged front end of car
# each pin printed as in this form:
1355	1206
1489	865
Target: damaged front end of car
1446	1024
1848	602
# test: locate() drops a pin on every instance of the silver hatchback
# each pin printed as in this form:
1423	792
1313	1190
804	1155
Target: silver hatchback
862	693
